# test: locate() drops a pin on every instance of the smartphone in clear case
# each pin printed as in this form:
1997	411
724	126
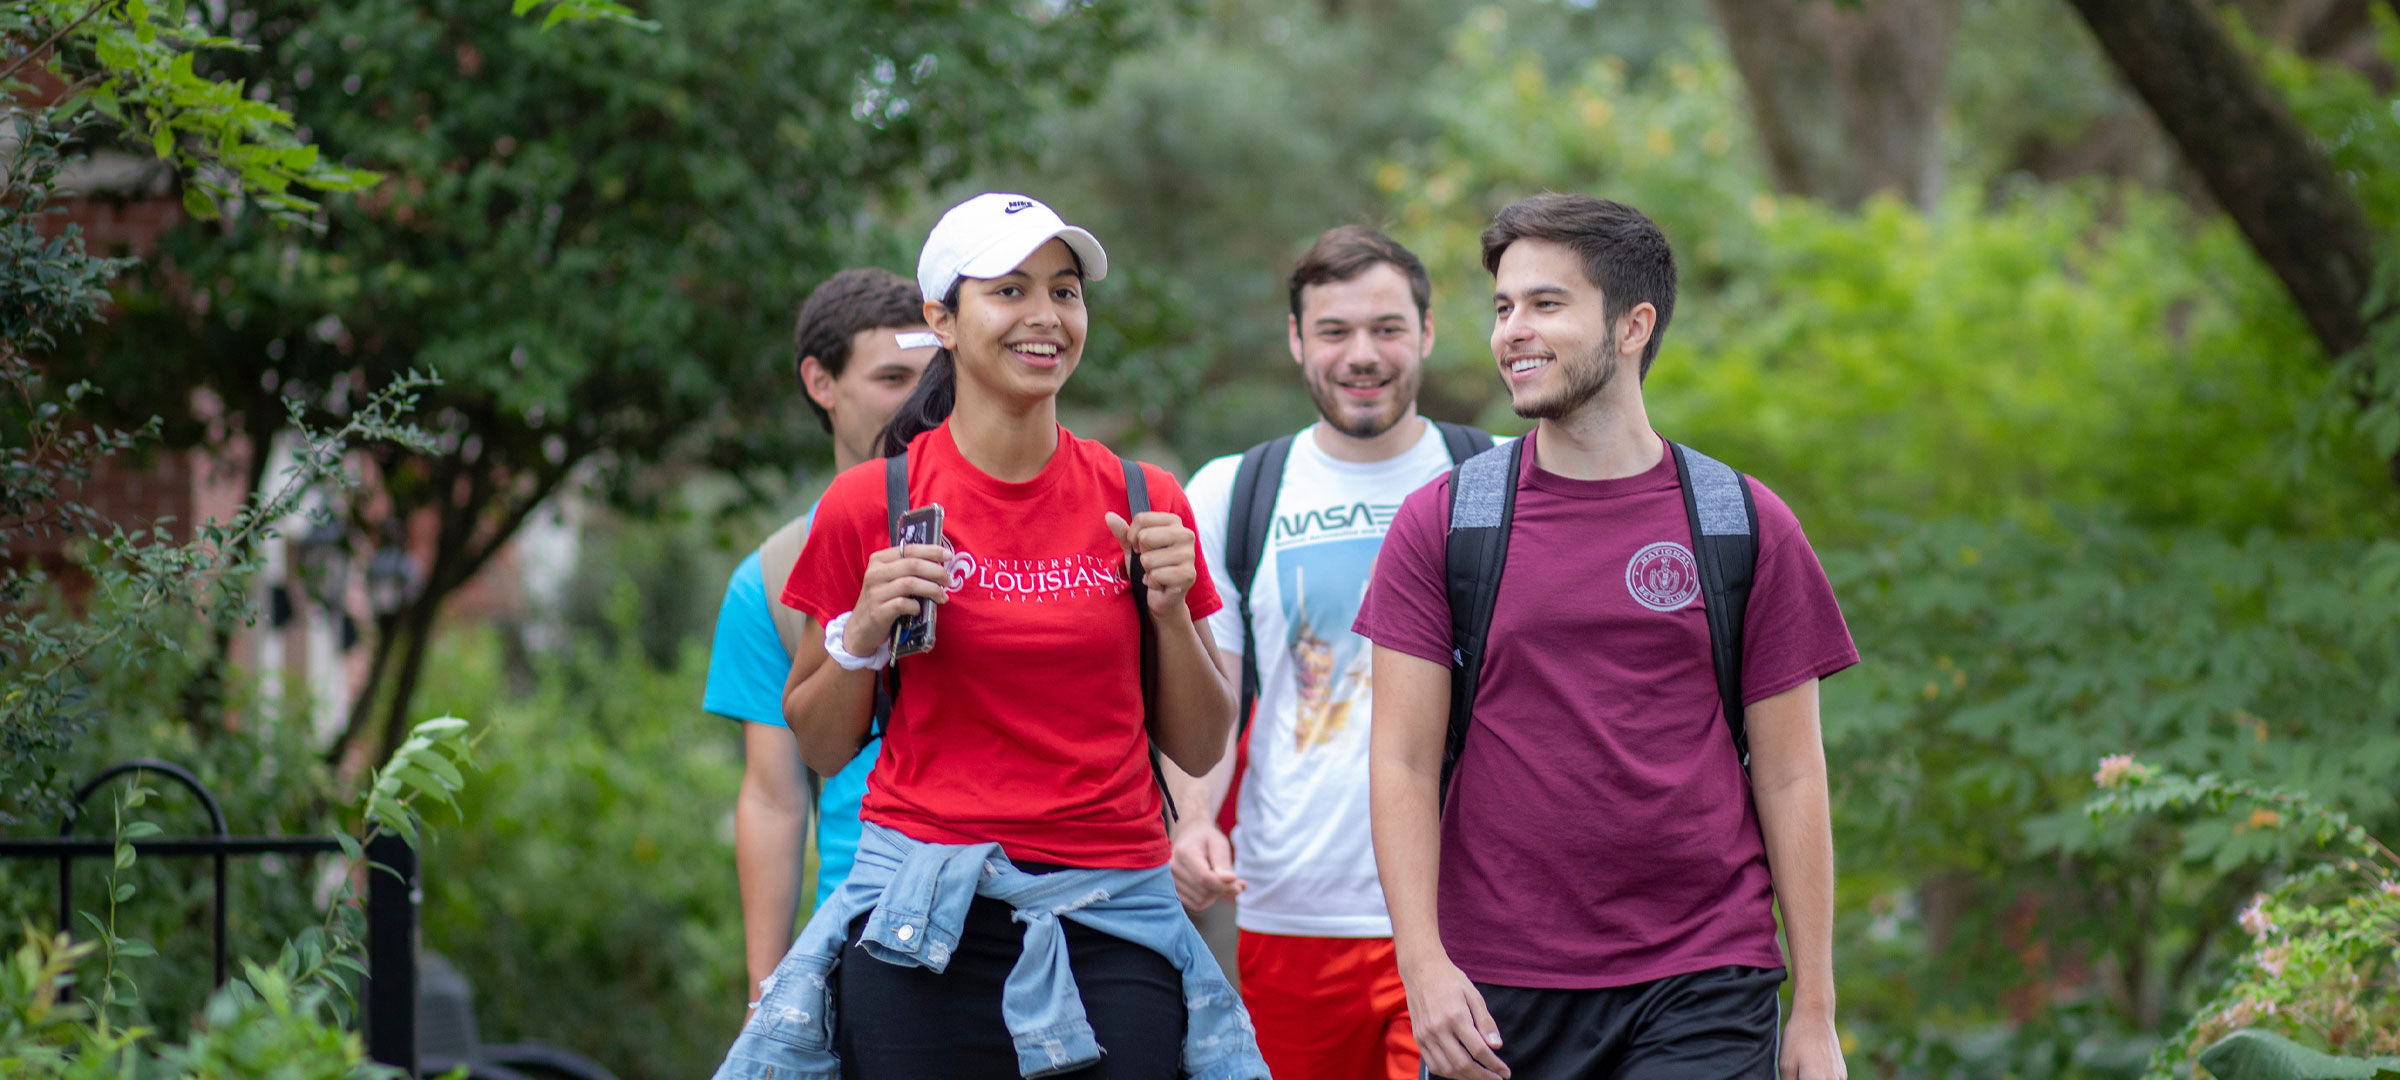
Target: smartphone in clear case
914	633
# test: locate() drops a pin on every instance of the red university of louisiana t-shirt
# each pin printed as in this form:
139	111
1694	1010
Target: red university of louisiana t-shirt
1023	725
1599	830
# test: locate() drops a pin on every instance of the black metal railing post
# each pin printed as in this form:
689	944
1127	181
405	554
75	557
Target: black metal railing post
216	823
394	896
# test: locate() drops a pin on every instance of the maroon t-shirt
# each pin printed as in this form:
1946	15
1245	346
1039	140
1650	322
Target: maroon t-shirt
1599	830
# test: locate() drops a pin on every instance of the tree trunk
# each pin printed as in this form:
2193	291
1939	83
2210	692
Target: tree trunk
1847	98
2256	160
204	693
362	705
420	617
475	525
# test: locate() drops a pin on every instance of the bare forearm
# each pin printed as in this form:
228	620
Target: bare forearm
1795	817
1199	797
767	842
829	715
827	708
1203	796
1404	763
1194	700
1408	858
1797	823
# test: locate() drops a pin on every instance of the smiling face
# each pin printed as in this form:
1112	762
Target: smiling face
1018	336
1361	345
1551	335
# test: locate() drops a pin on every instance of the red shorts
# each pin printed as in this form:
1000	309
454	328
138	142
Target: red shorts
1328	1008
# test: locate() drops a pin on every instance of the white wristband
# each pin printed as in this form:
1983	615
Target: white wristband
834	638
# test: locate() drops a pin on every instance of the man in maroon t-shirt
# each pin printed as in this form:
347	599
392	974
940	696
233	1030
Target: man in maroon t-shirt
1594	900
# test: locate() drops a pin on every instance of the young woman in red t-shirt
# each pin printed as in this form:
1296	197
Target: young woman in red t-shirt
1024	725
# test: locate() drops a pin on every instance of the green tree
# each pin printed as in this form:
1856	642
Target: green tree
1218	151
75	76
597	239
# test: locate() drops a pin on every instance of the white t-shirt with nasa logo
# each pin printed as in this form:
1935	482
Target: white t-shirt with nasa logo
1302	839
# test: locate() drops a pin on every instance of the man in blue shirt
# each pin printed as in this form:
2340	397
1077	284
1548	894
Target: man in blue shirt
861	343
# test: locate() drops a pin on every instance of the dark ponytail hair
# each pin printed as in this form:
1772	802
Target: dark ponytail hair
930	403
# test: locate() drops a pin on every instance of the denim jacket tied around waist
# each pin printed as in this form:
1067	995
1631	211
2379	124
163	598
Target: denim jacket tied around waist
916	894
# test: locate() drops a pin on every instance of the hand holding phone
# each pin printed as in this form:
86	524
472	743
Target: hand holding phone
915	633
901	582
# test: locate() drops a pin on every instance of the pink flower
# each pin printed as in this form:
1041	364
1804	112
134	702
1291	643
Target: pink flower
2254	918
2115	769
2390	887
2273	960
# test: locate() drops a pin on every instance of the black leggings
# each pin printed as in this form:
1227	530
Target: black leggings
899	1023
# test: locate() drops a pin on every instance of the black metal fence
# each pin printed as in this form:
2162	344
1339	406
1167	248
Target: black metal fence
392	904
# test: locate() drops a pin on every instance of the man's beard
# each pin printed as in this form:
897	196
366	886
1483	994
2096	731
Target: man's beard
1587	379
1326	392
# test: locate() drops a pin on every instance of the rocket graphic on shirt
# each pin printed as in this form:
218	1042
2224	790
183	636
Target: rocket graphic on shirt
1321	586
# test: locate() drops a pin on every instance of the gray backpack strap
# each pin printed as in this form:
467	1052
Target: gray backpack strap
1724	522
1483	503
776	557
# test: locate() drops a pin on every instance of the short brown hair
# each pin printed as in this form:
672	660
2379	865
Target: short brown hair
866	298
1344	252
1623	252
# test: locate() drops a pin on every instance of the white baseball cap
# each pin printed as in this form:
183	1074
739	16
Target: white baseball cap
988	235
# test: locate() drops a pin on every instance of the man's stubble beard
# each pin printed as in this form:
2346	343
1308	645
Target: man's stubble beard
1327	396
1587	379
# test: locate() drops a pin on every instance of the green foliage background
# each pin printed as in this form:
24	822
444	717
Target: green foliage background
589	900
2083	480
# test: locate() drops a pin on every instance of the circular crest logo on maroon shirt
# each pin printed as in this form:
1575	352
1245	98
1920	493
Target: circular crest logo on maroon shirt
1663	576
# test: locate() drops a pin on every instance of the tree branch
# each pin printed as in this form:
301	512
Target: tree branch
45	46
2252	154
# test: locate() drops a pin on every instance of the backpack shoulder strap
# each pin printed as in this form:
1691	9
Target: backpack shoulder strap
1483	502
1462	441
1724	522
1249	517
895	494
895	503
776	557
1137	501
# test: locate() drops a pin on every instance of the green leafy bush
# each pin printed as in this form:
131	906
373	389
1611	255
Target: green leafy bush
593	902
289	1017
2322	959
1999	355
2005	658
2263	1055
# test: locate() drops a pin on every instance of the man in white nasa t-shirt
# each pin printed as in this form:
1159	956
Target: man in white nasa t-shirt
1302	518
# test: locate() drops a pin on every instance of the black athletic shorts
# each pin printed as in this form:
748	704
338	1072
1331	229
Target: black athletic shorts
901	1023
1720	1024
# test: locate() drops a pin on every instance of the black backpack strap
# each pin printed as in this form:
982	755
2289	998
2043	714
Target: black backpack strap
1724	520
895	503
1249	518
1483	501
1462	441
1137	502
